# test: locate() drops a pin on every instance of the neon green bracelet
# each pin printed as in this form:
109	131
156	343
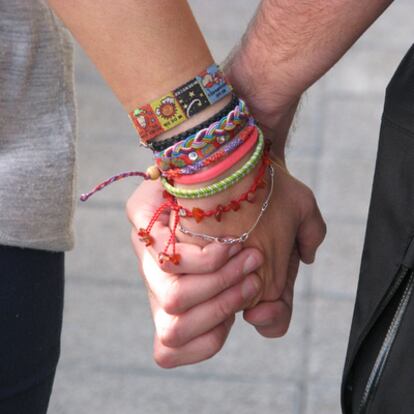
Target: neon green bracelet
222	185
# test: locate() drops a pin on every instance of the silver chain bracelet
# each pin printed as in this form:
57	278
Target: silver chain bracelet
242	238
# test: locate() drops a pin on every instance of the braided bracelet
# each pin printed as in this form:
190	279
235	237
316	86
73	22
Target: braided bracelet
205	136
205	141
162	145
179	212
185	159
227	149
243	237
222	185
180	104
221	167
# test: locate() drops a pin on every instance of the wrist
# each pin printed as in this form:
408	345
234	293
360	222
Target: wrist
196	119
272	107
262	76
218	211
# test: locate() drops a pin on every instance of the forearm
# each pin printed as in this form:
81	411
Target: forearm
290	44
143	49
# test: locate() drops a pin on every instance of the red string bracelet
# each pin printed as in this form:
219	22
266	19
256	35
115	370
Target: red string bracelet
196	213
234	205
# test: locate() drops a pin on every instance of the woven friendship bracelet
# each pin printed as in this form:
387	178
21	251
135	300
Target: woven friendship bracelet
225	164
222	185
180	104
238	116
205	141
226	150
162	145
199	154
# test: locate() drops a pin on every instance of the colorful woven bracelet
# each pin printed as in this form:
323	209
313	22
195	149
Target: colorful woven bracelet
226	150
203	137
179	212
164	144
220	168
183	160
205	141
221	185
180	104
199	214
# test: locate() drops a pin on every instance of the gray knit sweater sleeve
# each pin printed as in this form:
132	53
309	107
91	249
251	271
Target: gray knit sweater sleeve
37	128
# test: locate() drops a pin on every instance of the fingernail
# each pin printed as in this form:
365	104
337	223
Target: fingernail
234	249
250	287
250	264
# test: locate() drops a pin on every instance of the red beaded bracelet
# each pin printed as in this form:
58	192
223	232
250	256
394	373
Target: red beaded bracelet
196	213
199	214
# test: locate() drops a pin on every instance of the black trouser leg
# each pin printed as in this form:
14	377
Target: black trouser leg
31	307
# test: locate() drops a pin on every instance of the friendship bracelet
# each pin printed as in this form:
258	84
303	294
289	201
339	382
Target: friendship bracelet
226	150
178	211
199	214
203	137
205	141
221	185
197	154
152	173
243	237
180	104
226	164
162	145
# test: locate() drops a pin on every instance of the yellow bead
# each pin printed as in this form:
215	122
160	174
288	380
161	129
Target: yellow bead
153	172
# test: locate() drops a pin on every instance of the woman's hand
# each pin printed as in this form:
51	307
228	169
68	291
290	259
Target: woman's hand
193	303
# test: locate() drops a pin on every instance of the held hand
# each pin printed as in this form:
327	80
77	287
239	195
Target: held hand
291	230
194	303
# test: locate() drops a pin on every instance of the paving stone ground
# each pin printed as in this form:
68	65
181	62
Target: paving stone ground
106	365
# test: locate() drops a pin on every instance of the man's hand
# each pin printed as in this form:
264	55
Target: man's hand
290	230
194	303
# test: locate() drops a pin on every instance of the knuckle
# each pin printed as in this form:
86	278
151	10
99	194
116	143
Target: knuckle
205	264
129	208
223	279
133	236
276	289
282	329
309	199
135	213
215	342
208	262
171	335
223	310
163	358
323	231
171	301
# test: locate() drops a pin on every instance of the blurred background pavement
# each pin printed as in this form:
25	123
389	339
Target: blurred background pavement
106	365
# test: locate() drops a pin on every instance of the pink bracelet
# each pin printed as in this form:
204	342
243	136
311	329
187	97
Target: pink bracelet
223	166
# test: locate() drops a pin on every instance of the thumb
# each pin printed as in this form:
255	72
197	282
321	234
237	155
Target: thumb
311	233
